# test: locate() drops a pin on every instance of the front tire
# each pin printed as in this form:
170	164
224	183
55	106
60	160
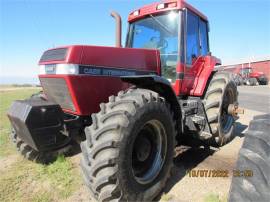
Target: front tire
221	92
129	148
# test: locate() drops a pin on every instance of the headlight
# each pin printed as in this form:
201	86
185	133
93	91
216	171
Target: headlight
59	69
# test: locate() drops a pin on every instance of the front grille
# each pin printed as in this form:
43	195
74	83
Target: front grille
55	54
57	91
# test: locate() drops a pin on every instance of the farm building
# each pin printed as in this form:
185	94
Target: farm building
257	65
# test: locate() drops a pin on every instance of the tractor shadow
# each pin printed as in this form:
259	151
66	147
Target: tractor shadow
187	158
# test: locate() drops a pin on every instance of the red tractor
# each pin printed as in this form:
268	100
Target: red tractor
132	104
251	77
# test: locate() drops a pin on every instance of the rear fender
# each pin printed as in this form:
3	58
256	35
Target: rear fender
159	85
203	75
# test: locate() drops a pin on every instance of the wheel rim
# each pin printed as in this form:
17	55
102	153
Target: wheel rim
226	118
149	152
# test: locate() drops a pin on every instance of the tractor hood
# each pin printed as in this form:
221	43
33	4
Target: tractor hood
102	57
256	74
79	78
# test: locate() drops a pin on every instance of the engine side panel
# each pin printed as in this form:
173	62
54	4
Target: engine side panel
97	75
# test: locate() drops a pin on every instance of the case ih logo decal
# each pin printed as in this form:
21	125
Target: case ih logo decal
103	71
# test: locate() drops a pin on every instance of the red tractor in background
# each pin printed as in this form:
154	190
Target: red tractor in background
251	77
132	105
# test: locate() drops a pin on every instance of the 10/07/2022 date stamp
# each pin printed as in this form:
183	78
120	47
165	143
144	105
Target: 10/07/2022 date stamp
219	173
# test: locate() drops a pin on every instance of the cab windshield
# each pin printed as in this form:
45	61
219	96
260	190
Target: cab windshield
158	32
246	70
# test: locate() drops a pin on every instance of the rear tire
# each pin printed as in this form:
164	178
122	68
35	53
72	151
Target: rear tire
129	148
253	159
256	83
263	82
221	92
252	82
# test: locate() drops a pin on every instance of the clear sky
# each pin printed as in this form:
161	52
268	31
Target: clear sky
239	29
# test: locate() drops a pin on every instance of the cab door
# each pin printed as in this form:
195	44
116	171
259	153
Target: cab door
195	48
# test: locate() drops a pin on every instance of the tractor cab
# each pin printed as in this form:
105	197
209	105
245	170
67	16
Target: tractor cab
158	32
245	72
180	33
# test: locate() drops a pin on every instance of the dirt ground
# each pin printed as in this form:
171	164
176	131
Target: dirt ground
7	162
182	187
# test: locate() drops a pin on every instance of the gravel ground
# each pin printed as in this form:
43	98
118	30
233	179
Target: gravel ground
255	98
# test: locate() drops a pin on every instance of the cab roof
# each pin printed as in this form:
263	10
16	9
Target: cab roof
159	7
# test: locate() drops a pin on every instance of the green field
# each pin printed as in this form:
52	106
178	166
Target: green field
23	180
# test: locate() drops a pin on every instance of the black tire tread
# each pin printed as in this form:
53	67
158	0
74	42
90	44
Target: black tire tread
254	155
104	142
212	103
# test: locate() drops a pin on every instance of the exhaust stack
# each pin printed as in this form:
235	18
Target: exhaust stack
118	28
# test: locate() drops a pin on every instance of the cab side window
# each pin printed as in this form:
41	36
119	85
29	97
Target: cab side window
197	38
192	43
203	38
